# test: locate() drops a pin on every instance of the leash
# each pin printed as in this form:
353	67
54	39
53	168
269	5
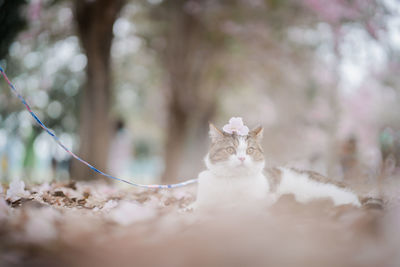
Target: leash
58	141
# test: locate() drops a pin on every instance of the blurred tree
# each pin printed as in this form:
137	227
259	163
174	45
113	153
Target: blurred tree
12	22
199	44
45	63
95	20
188	44
369	15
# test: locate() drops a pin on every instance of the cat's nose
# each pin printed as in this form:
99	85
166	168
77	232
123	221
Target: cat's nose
241	158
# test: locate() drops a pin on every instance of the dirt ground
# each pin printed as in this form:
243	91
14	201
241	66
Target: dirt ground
95	224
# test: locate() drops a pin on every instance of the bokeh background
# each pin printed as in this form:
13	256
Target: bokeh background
131	85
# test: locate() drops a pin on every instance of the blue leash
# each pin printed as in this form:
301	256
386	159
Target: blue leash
55	137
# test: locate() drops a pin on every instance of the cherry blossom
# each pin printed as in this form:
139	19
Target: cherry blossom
17	190
236	125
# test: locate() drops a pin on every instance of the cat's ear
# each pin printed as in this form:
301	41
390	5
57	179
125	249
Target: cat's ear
257	133
215	133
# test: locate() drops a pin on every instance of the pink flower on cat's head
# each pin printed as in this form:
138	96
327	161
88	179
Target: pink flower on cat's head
236	126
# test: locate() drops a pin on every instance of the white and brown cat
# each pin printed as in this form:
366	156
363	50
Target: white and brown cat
235	174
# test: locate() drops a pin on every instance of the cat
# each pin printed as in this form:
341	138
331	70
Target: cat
235	175
235	166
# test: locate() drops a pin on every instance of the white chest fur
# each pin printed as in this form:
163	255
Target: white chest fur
227	191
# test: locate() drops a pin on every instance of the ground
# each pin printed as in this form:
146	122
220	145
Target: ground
96	224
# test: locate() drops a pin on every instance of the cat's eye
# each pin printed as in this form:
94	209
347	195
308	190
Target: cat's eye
230	150
250	150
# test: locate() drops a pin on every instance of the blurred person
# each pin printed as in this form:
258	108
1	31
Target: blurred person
389	141
53	165
386	142
349	159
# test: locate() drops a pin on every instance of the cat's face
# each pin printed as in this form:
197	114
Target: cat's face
235	153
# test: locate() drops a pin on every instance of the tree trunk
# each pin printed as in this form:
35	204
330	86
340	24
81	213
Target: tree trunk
95	20
188	57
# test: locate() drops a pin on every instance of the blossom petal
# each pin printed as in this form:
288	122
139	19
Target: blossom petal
244	130
237	122
236	125
227	128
